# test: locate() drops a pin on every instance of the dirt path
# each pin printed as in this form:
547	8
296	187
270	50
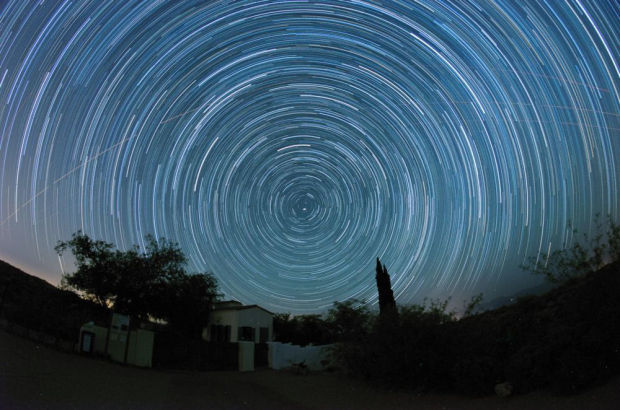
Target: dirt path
35	377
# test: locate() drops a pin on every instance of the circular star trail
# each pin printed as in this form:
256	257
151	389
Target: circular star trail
286	144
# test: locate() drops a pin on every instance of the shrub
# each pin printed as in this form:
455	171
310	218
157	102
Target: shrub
581	258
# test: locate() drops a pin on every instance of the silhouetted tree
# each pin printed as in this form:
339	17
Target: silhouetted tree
98	266
189	303
349	321
387	304
302	329
143	285
284	327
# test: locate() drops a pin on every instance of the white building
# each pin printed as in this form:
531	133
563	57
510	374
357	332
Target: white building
230	321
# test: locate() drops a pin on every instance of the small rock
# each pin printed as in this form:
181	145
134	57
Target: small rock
503	389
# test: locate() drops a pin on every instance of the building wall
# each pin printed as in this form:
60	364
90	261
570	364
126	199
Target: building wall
100	336
236	318
256	318
223	318
141	348
116	345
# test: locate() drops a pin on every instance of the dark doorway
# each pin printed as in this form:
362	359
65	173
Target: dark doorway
87	342
261	353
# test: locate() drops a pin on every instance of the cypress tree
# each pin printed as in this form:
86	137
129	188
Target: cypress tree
387	304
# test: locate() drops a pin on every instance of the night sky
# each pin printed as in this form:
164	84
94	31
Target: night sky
286	144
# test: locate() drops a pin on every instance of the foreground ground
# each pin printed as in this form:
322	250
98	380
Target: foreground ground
36	377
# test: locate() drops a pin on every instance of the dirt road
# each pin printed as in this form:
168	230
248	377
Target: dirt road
35	377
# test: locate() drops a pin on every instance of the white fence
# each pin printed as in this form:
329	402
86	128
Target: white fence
283	355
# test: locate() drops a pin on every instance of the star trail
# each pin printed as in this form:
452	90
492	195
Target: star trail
286	144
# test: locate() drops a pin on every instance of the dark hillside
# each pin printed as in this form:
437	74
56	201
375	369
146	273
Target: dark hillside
568	338
35	304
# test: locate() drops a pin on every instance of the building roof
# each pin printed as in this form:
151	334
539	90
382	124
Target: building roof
235	305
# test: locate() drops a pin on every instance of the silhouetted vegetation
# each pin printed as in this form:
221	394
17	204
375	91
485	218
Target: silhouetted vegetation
472	305
585	255
346	321
387	304
143	285
301	330
409	350
566	339
349	321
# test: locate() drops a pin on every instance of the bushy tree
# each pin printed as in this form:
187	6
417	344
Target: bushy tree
408	350
284	327
190	302
98	267
301	330
350	320
143	285
345	321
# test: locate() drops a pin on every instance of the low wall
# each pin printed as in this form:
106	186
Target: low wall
283	355
140	346
246	356
174	351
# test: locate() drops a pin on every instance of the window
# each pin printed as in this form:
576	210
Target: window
215	333
220	333
264	334
246	333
